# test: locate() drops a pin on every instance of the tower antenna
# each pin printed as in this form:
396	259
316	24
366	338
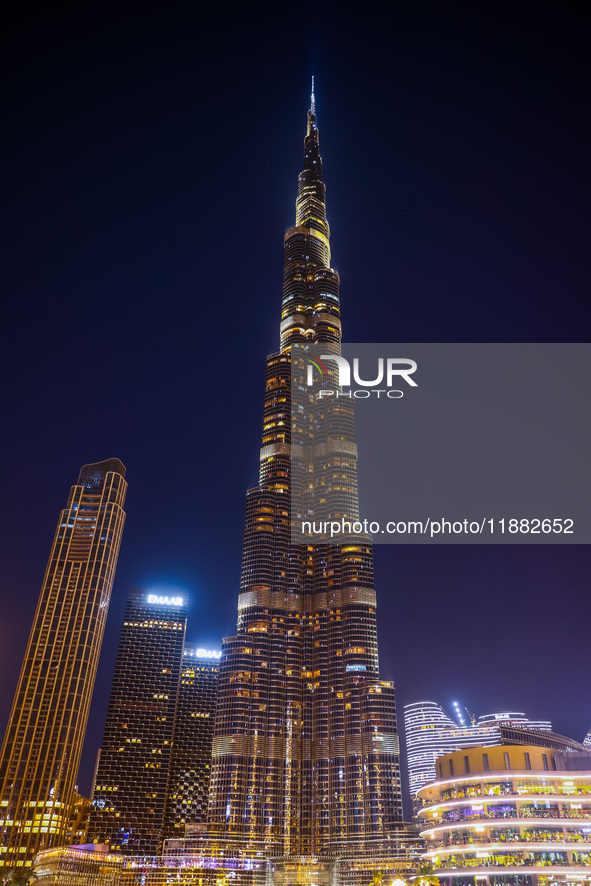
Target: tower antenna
312	99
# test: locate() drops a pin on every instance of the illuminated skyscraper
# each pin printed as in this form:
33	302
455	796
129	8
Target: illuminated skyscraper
43	741
305	750
131	781
190	767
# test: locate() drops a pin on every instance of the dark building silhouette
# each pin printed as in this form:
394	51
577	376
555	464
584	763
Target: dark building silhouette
43	742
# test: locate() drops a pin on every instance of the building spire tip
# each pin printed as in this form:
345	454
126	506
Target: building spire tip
312	98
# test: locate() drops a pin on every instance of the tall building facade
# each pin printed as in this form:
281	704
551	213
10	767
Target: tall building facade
190	766
305	749
129	795
43	742
430	733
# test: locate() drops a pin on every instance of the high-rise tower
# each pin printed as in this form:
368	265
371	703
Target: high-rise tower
129	796
43	741
305	750
190	766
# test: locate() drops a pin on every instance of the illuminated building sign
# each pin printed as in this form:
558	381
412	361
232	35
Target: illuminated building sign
204	653
165	601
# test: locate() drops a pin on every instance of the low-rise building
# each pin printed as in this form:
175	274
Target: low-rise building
509	816
431	732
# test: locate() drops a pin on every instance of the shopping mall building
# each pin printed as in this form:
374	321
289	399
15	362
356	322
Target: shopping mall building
509	816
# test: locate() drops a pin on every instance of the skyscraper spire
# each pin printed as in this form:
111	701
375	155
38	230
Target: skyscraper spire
312	129
305	749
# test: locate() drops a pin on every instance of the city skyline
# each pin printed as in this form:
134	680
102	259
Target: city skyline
478	180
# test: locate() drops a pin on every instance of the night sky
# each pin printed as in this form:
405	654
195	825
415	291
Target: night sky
150	161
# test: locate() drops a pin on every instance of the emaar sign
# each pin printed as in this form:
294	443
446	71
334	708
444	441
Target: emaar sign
165	601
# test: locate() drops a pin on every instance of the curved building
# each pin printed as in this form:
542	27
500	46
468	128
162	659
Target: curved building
508	815
430	732
426	729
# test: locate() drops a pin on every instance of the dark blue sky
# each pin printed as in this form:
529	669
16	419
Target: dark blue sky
150	161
